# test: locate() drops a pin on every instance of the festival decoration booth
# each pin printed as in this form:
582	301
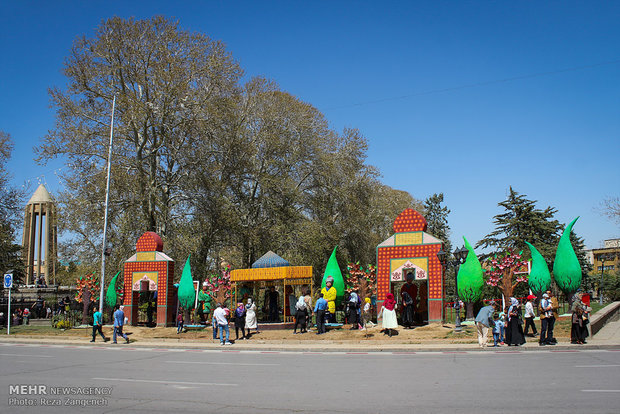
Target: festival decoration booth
149	272
272	270
411	250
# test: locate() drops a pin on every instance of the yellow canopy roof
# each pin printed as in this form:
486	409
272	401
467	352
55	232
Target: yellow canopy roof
271	273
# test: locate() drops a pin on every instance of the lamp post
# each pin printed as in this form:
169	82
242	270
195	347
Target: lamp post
604	257
460	255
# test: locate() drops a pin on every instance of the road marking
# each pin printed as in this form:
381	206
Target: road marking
595	366
600	390
163	382
219	363
22	355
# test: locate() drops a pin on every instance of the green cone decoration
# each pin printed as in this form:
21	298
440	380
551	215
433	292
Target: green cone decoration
332	269
566	268
540	278
110	295
470	279
186	292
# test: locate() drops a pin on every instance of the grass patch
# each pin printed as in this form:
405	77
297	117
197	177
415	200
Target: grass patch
34	330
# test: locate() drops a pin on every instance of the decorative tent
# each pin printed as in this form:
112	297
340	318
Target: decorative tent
269	259
271	269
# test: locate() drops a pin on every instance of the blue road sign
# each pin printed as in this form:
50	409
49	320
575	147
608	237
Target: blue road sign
8	280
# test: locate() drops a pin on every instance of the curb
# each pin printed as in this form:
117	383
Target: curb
319	349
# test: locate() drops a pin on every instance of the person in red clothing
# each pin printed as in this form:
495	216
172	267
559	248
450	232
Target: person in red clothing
408	294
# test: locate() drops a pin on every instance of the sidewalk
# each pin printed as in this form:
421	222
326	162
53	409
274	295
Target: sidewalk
607	338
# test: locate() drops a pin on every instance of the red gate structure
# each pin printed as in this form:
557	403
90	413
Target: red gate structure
153	268
413	250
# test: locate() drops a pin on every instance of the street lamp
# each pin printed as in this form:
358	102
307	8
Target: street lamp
460	255
604	257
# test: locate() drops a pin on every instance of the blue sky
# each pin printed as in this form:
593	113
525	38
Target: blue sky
464	98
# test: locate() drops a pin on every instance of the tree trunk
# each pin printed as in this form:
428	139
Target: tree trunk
86	303
469	306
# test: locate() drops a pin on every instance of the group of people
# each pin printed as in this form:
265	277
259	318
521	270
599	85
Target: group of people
119	322
507	326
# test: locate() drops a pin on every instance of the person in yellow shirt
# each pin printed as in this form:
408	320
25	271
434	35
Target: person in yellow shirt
329	294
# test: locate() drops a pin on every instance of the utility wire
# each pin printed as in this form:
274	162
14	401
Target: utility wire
474	85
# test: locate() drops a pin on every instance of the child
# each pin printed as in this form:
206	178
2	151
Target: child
502	318
180	321
498	326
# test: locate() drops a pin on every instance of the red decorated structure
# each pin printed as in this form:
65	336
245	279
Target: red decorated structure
413	250
149	270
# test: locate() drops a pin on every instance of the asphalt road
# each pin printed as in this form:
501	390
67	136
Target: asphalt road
181	380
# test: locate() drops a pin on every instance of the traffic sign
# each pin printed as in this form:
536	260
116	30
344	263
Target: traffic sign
8	280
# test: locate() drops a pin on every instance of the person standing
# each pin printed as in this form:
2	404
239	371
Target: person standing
408	294
240	321
497	328
319	309
180	321
329	294
580	320
546	321
554	310
484	320
37	307
273	299
26	316
97	324
250	316
529	316
221	317
353	308
308	300
388	315
514	335
301	315
119	322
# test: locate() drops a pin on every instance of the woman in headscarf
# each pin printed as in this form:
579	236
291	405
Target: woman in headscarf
407	315
579	326
353	307
240	321
514	331
388	314
250	316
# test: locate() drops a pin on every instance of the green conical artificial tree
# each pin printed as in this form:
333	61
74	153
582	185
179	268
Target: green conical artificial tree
566	267
470	280
186	292
540	278
111	296
332	269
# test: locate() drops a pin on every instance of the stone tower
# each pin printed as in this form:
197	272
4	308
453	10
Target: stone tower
40	238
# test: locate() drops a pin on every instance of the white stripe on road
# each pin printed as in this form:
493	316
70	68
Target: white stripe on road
162	382
600	390
595	366
23	355
220	363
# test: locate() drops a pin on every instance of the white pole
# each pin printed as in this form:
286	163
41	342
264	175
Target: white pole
9	316
105	216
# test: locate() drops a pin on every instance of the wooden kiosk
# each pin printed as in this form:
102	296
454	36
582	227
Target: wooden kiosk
272	270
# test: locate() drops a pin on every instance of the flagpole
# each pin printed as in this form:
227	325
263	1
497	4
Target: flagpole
105	216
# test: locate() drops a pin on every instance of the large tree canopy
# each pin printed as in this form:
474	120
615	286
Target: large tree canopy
219	167
10	199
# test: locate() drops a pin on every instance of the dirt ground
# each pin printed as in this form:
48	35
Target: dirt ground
434	333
